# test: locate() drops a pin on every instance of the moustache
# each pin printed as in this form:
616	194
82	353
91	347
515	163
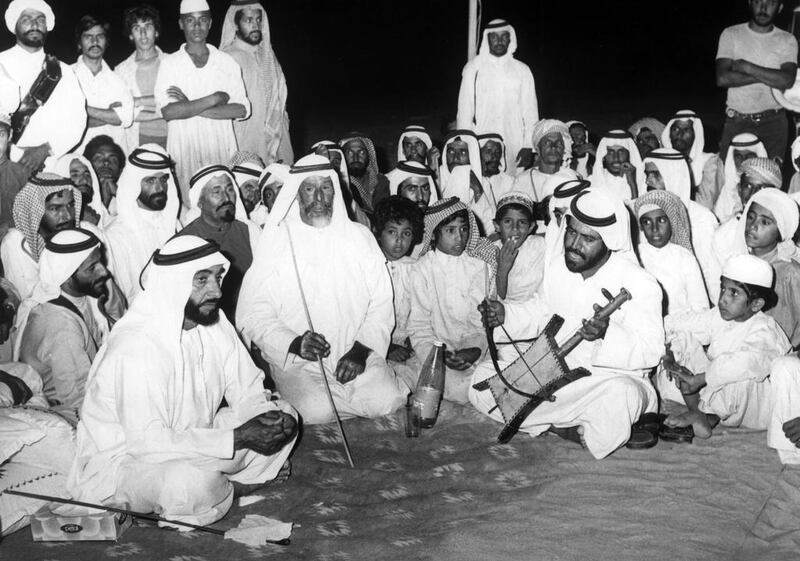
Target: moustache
226	205
575	253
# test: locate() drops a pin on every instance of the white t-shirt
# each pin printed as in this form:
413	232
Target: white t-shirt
770	50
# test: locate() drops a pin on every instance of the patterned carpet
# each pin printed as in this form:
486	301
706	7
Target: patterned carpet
455	494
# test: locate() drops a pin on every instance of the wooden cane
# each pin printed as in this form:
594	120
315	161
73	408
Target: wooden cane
319	359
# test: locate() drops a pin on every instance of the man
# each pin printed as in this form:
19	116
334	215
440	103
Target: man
34	137
213	197
744	146
13	175
414	181
142	27
684	133
619	351
270	184
367	185
462	176
245	37
752	59
84	179
67	318
496	182
621	170
147	215
246	175
647	133
344	287
200	92
415	144
176	419
47	204
584	153
498	94
108	161
109	103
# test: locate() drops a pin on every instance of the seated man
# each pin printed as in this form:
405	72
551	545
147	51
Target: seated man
80	172
154	434
729	382
222	220
270	183
414	181
783	431
584	153
314	266
108	161
619	351
67	319
461	176
647	134
621	170
415	145
47	204
496	182
367	185
743	147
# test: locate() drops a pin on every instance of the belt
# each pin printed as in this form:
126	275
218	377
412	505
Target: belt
755	117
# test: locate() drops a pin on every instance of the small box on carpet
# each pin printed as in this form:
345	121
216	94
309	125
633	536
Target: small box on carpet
101	526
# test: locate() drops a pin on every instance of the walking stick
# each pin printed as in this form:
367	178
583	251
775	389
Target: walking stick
319	359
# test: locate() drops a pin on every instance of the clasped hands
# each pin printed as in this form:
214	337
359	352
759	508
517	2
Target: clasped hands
265	434
314	346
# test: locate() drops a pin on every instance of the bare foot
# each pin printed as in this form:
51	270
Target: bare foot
698	421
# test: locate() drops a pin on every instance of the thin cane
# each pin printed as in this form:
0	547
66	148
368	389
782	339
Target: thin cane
319	360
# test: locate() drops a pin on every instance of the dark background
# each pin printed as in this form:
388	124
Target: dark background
377	65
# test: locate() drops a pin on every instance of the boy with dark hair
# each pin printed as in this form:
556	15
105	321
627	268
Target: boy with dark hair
398	225
520	259
728	383
448	282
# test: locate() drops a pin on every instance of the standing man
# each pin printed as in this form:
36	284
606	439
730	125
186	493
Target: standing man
109	103
245	36
48	88
142	27
752	58
200	92
498	94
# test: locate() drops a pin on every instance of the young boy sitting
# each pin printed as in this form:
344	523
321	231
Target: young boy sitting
520	260
665	250
729	382
398	224
447	284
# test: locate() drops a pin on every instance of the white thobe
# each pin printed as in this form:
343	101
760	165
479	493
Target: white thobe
703	225
498	94
785	382
445	293
154	439
736	364
62	120
677	271
199	141
102	90
618	391
539	186
349	299
21	269
30	378
400	272
616	185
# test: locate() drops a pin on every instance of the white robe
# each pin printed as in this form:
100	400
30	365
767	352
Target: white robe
151	438
618	392
785	383
736	364
21	269
66	106
677	271
498	94
617	185
704	224
199	141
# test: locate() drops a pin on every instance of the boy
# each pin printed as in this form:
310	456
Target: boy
447	284
665	250
729	382
520	260
398	225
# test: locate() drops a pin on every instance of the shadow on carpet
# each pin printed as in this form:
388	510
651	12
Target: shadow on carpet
455	494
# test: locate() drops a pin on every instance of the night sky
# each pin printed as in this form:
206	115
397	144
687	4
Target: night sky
376	65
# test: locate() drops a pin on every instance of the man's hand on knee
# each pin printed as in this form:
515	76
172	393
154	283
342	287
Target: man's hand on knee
265	434
792	431
353	363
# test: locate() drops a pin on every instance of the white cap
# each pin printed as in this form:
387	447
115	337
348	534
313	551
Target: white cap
192	6
748	269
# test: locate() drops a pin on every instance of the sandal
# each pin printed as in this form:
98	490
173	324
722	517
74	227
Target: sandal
677	434
644	432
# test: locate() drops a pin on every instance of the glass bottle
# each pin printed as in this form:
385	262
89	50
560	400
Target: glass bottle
430	385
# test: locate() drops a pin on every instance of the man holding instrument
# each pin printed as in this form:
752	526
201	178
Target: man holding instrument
154	434
318	297
597	410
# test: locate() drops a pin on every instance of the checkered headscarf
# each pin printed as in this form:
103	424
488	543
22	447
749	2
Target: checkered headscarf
29	207
765	170
672	206
364	185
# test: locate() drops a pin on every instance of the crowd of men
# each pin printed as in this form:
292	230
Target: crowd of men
167	263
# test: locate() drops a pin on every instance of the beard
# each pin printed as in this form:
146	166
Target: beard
28	40
252	38
194	312
226	212
95	289
357	169
155	201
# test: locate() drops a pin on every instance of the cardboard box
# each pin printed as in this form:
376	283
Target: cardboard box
102	526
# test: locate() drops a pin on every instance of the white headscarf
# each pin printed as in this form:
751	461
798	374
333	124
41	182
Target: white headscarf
622	138
787	217
605	214
548	126
498	26
406	170
474	158
61	168
16	7
62	256
410	131
728	203
145	161
795	150
494	137
246	171
200	179
697	158
675	171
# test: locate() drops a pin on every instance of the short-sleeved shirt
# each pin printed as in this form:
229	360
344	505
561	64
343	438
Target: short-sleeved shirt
770	50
